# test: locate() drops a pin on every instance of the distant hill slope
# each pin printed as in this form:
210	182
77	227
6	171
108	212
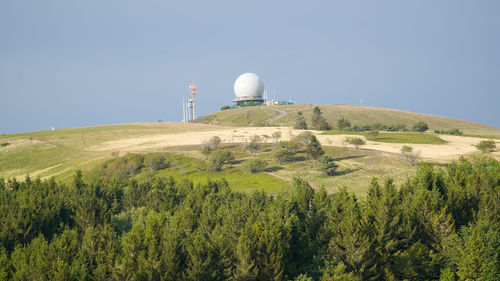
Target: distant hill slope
284	115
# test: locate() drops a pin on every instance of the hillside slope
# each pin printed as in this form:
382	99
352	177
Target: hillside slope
284	115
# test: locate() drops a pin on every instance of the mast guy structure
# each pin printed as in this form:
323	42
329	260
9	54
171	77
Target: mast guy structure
189	105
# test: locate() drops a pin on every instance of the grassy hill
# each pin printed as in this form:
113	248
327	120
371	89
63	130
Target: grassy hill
60	152
284	115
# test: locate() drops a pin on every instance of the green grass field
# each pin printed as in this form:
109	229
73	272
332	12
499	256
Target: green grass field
196	170
356	168
394	137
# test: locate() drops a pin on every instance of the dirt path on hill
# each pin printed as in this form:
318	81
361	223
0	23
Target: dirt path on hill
453	149
279	113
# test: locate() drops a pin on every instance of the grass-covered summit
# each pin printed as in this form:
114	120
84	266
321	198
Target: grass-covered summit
284	115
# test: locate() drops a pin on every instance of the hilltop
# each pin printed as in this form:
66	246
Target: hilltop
60	152
284	115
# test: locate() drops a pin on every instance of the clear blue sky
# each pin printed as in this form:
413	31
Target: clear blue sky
76	63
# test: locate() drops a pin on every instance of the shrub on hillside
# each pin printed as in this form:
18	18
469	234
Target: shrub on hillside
420	127
218	159
303	138
253	147
215	142
356	141
254	165
399	127
486	145
156	162
292	145
206	150
282	154
323	124
343	123
455	132
225	107
133	163
409	155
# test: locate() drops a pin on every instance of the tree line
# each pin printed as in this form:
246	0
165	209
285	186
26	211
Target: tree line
318	122
441	224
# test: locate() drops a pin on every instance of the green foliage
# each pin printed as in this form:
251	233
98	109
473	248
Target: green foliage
303	138
282	154
406	138
206	150
343	123
300	122
447	274
254	165
156	162
4	144
314	149
406	149
319	122
455	132
420	127
442	224
225	107
5	264
215	142
323	124
316	116
486	145
327	165
356	141
218	159
253	147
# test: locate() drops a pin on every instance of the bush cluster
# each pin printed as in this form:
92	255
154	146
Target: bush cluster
455	132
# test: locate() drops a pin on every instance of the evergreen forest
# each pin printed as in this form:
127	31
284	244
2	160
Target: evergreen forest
441	224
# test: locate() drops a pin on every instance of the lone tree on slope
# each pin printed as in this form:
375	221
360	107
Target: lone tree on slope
314	149
300	122
343	123
318	121
327	165
356	141
276	136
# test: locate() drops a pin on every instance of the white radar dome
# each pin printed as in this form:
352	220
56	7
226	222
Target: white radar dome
248	85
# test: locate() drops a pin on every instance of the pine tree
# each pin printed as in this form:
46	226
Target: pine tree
5	264
351	241
316	117
314	149
327	165
391	232
300	122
